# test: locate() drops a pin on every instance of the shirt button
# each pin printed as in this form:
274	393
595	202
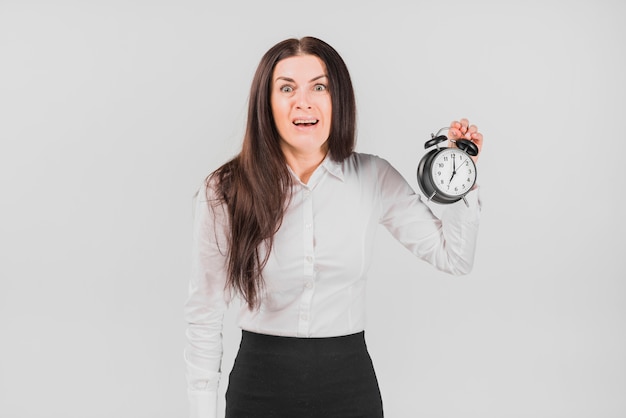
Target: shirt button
307	226
304	317
308	285
306	192
309	259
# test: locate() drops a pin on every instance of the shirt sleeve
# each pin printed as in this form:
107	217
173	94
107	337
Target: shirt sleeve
447	242
206	304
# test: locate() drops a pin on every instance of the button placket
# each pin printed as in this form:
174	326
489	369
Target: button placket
307	234
308	264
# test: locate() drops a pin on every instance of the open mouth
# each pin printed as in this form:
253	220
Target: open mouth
305	122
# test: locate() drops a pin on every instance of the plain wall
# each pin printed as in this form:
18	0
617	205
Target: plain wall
112	112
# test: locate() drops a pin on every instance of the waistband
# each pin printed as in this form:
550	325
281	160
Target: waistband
275	343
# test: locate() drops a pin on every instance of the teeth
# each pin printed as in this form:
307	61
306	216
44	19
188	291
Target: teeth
304	121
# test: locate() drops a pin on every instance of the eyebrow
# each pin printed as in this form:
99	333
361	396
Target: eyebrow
291	80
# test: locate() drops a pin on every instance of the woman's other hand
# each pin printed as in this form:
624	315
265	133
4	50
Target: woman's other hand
463	130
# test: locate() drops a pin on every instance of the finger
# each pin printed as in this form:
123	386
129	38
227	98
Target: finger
454	133
464	125
470	131
477	138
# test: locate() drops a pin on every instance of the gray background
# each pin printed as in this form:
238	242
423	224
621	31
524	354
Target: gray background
112	112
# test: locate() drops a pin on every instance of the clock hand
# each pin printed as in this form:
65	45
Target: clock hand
453	168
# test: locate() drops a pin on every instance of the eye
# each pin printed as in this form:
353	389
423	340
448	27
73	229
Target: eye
286	89
319	87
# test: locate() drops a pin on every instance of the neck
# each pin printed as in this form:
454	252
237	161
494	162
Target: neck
303	165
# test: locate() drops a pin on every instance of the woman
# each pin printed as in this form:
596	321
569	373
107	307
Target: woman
288	225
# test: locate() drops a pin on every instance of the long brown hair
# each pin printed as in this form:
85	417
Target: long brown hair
256	184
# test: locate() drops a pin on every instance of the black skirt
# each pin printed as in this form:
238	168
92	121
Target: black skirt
276	377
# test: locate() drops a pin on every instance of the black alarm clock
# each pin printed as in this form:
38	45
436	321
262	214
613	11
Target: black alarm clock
446	174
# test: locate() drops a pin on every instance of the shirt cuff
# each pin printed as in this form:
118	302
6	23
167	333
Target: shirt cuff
202	404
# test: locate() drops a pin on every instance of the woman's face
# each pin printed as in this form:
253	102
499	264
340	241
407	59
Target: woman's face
301	105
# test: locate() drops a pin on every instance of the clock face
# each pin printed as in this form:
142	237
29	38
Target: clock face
453	172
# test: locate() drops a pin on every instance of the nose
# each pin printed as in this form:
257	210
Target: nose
303	100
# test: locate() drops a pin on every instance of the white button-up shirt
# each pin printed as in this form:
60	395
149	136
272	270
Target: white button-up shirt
315	277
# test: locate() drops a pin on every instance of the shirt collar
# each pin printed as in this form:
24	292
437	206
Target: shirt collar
333	167
327	165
